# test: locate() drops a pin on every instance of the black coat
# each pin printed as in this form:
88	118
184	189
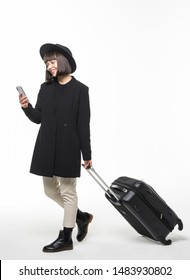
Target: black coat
64	114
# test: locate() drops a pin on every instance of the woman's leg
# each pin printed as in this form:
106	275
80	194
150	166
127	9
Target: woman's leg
70	201
52	189
63	191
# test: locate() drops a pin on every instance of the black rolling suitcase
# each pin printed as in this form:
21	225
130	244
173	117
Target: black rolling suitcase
141	206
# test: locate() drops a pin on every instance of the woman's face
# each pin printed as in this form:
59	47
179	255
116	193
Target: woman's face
51	66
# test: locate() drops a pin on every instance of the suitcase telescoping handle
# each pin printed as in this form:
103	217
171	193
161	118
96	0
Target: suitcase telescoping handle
101	182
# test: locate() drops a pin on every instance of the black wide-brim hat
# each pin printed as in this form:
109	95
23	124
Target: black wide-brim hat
46	48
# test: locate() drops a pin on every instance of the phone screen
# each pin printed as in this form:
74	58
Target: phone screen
20	90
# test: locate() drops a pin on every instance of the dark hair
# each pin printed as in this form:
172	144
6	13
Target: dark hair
63	66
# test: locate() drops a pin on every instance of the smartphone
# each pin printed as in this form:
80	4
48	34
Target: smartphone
20	90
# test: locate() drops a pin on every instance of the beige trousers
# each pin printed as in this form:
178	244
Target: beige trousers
63	191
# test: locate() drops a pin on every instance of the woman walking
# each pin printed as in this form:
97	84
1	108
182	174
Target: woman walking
63	112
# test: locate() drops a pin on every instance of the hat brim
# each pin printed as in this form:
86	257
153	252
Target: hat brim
46	48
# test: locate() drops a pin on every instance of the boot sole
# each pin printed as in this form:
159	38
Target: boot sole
58	250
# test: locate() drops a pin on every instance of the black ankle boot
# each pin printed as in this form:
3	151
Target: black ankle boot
62	243
83	220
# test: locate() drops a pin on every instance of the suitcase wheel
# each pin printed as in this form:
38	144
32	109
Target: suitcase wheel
180	224
164	241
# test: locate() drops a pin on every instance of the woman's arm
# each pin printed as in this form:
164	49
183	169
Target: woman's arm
34	114
84	127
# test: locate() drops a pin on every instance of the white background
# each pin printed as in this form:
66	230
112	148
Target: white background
134	56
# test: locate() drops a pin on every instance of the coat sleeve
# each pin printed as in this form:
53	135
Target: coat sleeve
34	113
84	125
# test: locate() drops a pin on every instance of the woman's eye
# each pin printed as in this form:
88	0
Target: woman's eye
50	63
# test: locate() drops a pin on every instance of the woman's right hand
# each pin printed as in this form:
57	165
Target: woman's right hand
23	101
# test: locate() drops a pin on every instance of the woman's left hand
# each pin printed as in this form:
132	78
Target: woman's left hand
87	163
